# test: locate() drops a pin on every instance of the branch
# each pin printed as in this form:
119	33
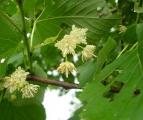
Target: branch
63	84
26	42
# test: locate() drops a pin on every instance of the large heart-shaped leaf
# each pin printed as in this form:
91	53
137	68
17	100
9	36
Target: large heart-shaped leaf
85	13
125	104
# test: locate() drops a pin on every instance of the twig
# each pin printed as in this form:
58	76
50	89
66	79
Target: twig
63	84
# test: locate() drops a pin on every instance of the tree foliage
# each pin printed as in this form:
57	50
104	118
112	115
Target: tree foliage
111	83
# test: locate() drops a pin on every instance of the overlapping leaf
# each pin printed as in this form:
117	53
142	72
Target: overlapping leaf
139	31
125	105
11	111
85	13
9	36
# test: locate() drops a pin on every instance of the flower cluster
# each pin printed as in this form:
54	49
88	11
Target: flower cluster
66	67
88	52
29	90
122	29
17	82
68	45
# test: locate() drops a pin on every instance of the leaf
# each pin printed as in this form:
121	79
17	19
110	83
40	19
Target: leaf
104	53
126	104
16	59
3	68
10	111
33	7
86	72
60	13
130	35
51	55
38	70
29	7
8	6
9	36
140	41
46	42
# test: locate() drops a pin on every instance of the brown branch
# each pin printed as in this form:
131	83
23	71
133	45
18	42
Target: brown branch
63	84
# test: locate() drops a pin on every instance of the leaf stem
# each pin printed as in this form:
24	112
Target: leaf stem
33	30
80	46
25	35
133	46
125	48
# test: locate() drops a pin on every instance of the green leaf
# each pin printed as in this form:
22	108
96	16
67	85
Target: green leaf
32	8
125	104
8	6
130	35
38	70
104	53
16	59
3	68
51	55
29	7
10	111
140	41
48	41
62	13
9	36
86	72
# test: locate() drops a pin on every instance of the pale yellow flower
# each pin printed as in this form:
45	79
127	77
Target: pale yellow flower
19	74
88	52
10	84
66	45
29	90
122	29
66	67
13	84
79	34
16	80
